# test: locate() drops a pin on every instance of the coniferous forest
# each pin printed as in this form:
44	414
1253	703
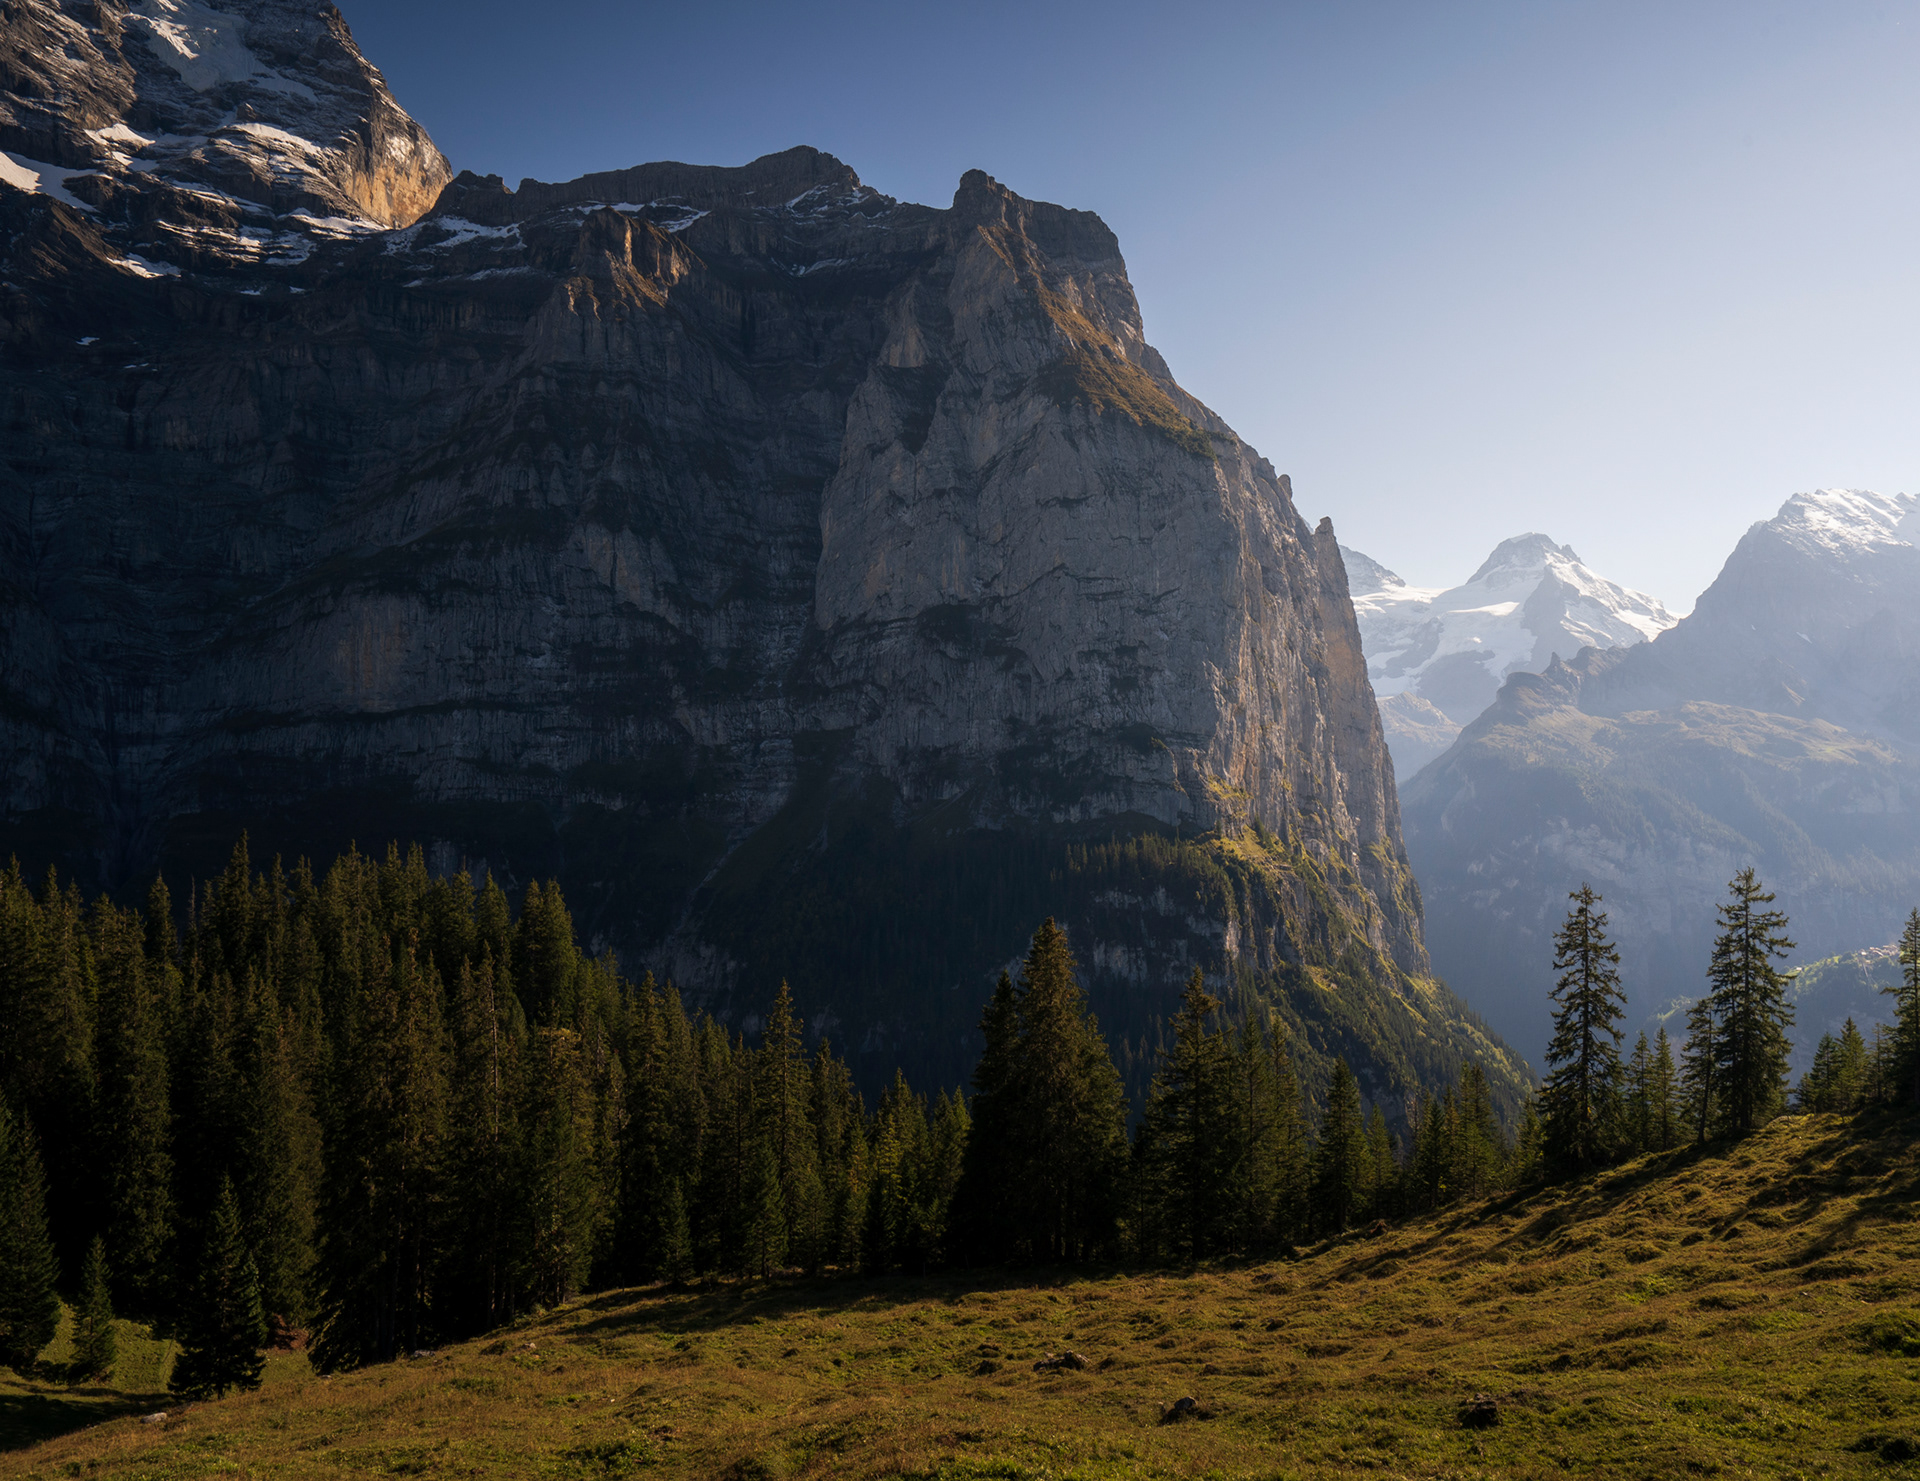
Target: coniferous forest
373	1109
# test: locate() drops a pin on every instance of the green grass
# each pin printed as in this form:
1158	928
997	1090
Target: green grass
1750	1311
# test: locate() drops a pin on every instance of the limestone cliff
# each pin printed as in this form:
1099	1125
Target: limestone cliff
816	583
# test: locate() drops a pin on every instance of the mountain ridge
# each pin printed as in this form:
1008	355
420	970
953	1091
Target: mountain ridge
748	563
1776	726
1437	655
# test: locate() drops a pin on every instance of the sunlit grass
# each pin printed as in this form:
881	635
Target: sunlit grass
1750	1312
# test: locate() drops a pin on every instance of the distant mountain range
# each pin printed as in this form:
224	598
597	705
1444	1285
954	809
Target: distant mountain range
1778	726
1437	655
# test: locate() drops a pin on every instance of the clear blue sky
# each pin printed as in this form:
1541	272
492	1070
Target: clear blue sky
1628	273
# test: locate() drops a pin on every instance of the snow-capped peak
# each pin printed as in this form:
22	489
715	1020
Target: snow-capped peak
1845	521
1453	647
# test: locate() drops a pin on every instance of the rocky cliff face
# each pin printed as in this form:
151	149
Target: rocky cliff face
816	583
1775	726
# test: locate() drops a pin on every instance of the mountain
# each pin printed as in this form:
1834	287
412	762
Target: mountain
1437	656
1778	726
817	584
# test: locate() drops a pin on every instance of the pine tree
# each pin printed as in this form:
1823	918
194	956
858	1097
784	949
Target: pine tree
1906	997
782	1102
1341	1164
29	1308
222	1328
984	1211
1816	1089
135	1104
765	1244
1272	1176
278	1156
1071	1143
1481	1148
1189	1141
1750	1008
1663	1113
1582	1089
559	1192
93	1338
1638	1103
1699	1061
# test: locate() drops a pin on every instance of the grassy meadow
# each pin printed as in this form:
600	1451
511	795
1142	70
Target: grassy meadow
1751	1310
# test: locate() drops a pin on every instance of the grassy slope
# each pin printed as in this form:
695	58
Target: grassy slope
1743	1312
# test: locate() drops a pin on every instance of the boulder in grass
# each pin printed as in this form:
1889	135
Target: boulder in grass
1481	1412
1184	1408
1053	1364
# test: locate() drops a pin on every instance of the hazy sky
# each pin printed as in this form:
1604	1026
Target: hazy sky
1626	273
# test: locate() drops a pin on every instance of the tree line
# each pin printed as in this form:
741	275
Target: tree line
1731	1074
377	1109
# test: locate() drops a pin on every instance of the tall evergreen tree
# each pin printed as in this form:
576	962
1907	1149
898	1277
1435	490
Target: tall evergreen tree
983	1216
1637	1100
1663	1110
94	1346
222	1328
1049	1120
782	1099
1699	1067
29	1308
559	1192
1272	1175
1906	996
135	1106
1341	1164
1750	1007
1188	1155
1582	1089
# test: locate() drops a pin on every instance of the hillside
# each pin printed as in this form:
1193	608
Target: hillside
1743	1310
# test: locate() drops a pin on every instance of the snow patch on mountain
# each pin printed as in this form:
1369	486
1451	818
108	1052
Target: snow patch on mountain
1437	656
1846	521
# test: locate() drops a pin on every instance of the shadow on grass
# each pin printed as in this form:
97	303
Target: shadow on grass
44	1413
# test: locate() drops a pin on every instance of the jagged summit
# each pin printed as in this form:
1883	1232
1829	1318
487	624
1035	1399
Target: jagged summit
1437	656
800	180
1524	555
223	123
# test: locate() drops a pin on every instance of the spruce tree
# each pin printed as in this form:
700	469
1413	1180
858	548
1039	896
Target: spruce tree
135	1106
1906	995
1699	1061
1663	1111
1750	1008
782	1096
1271	1180
1638	1101
222	1326
1070	1147
29	1308
984	1209
1582	1087
1188	1149
1816	1089
559	1193
764	1246
93	1338
1481	1148
1341	1164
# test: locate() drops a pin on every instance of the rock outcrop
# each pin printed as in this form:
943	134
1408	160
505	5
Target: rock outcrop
817	584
